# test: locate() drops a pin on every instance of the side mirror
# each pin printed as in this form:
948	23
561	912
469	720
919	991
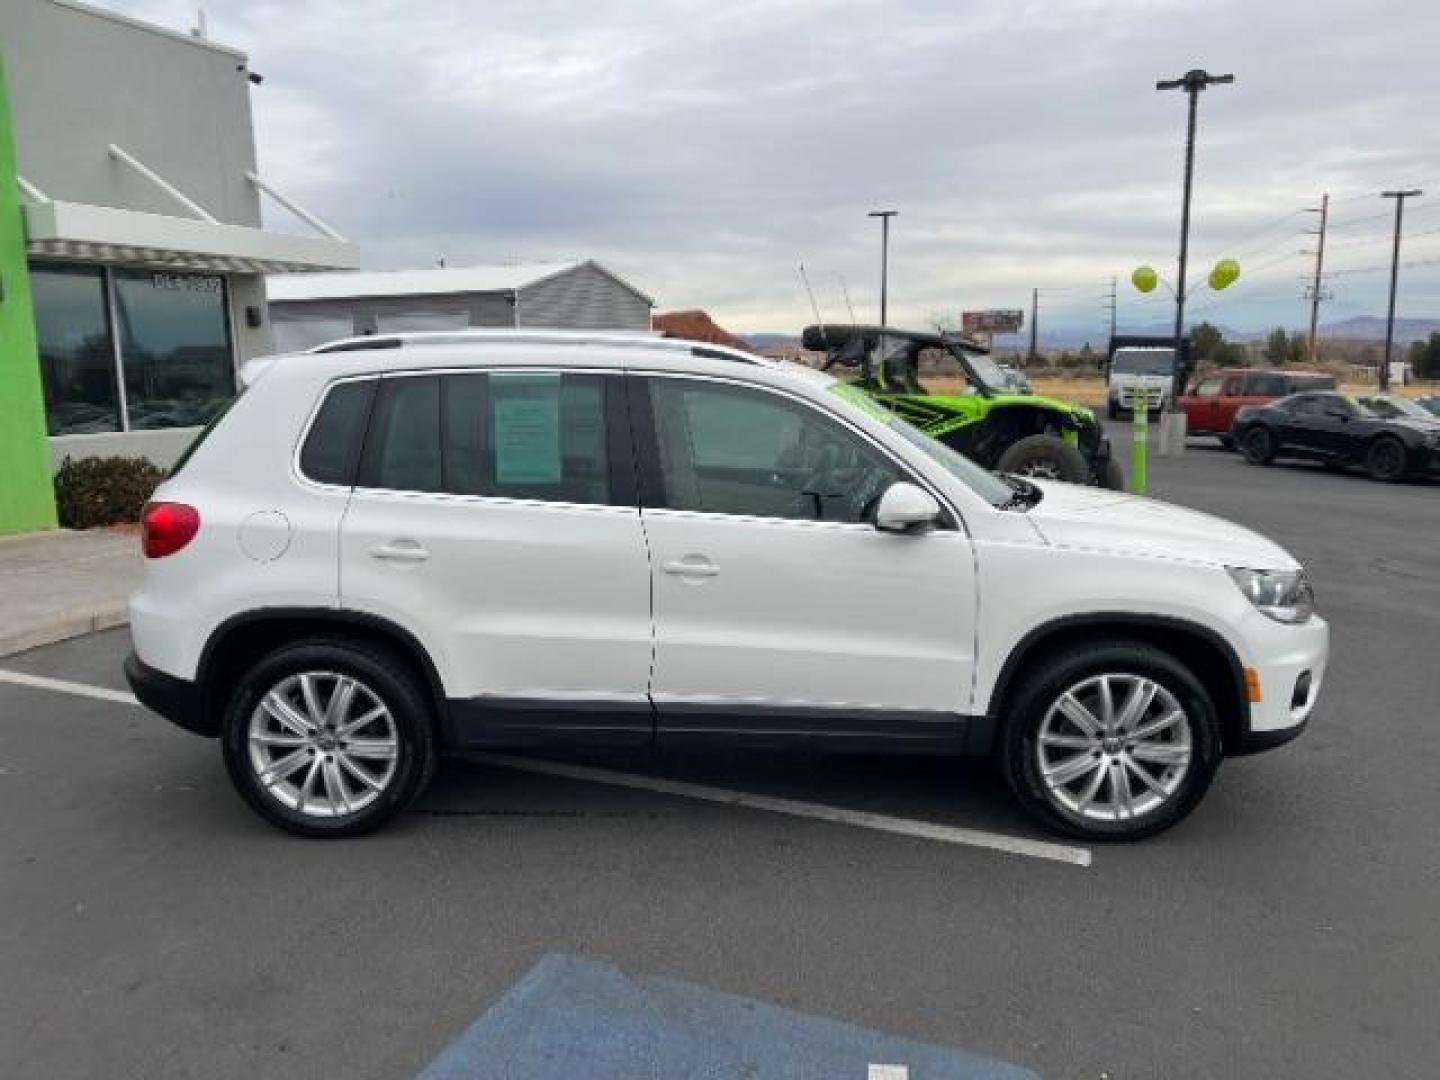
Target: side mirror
905	508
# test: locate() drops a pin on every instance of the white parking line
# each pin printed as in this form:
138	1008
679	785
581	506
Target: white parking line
835	815
65	686
864	819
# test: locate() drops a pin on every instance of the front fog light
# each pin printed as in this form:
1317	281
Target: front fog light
1284	595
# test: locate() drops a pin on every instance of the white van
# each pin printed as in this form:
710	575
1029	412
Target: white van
1135	371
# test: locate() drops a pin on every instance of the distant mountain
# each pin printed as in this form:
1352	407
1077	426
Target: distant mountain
1368	327
764	339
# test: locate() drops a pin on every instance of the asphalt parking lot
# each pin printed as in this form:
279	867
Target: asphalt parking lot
150	925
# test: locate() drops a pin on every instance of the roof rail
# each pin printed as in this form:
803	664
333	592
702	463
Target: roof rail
543	337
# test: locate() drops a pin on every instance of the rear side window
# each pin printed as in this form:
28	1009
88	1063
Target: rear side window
1262	385
520	435
332	449
1312	382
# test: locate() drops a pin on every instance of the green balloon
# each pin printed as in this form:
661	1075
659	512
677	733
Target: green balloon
1225	273
1145	279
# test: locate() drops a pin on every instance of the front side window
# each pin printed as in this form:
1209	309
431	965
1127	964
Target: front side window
1208	387
1264	385
175	347
734	450
77	353
1308	406
514	435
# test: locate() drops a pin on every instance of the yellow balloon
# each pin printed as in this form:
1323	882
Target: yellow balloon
1145	279
1225	273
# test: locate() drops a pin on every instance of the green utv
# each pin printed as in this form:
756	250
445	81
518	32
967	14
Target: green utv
1008	432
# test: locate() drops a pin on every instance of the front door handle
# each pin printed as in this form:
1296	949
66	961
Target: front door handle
403	551
695	566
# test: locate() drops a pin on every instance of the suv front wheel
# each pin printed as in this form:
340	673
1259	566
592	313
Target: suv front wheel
1112	741
328	738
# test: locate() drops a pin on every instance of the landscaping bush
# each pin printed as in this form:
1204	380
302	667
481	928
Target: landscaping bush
103	491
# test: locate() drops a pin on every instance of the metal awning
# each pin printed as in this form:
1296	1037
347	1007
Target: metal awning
66	230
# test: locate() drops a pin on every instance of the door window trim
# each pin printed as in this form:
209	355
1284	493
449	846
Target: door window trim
647	454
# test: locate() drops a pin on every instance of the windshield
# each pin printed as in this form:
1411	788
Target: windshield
1142	362
986	484
987	372
1391	407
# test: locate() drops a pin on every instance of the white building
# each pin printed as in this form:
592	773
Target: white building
308	309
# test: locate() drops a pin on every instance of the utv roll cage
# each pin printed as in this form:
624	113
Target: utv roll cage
897	352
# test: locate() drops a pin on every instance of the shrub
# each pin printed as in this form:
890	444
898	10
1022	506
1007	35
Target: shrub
103	491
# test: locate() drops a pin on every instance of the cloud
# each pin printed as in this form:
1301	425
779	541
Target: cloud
704	150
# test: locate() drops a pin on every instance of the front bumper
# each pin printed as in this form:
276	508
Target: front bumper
177	700
1289	663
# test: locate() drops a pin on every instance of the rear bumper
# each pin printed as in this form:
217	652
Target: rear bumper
177	700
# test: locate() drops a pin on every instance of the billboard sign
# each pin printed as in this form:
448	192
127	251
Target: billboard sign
995	321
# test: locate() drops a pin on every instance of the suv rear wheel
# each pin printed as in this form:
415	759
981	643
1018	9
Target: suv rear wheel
1113	741
328	738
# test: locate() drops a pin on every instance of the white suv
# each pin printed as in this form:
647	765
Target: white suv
395	547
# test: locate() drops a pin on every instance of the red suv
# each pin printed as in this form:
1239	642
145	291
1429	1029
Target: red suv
1211	404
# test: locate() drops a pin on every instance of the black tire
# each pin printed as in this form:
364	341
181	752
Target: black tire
1258	446
384	677
1045	457
1056	673
1111	477
1226	442
1385	460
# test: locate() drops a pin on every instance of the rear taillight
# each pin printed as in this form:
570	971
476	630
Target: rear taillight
168	527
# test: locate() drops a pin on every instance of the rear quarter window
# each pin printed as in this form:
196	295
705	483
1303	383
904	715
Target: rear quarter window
332	448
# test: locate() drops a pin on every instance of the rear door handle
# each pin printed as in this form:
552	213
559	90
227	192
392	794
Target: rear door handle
401	551
691	566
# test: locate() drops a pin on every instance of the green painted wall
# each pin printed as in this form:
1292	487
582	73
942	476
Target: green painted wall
27	495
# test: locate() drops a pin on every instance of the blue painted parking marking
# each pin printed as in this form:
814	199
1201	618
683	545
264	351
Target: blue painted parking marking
570	1018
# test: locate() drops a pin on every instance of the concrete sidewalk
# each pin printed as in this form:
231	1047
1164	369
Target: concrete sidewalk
57	585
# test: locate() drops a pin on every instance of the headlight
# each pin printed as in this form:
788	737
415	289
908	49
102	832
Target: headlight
1284	595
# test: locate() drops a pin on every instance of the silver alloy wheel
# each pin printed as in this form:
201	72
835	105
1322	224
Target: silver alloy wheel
323	744
1114	747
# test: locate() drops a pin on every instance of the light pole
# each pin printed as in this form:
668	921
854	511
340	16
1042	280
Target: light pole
884	216
1192	82
1399	197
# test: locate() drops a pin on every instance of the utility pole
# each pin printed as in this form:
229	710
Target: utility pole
1114	284
1034	323
884	216
1192	82
1316	287
1399	197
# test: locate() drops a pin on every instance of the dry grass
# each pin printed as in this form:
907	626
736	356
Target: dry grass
1089	390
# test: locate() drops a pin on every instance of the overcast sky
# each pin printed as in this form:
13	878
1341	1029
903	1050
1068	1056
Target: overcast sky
704	148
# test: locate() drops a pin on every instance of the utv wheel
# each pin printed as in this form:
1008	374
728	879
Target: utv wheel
1112	741
328	738
1112	477
1046	458
1385	459
1258	446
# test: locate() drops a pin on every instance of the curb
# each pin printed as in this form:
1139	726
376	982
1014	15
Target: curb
72	625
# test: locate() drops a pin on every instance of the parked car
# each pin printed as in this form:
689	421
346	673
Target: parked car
1138	374
993	425
399	546
1339	431
1211	404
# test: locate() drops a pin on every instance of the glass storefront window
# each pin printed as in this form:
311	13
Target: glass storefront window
174	347
77	354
